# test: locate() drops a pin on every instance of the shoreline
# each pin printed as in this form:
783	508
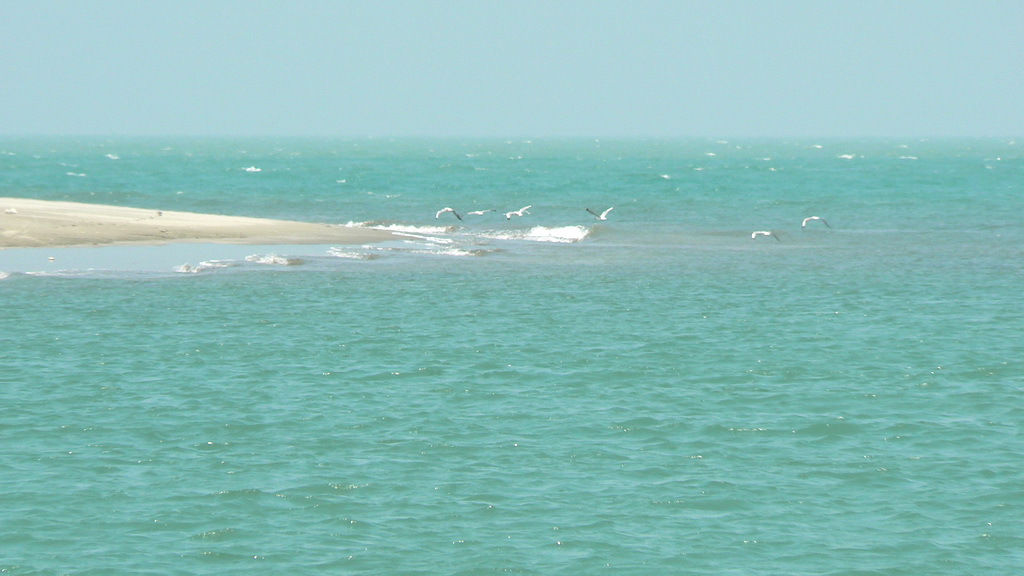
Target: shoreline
29	223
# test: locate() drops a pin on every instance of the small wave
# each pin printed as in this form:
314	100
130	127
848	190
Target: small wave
563	234
426	240
452	252
413	248
396	227
274	260
342	253
558	234
416	229
4	275
205	266
210	264
253	169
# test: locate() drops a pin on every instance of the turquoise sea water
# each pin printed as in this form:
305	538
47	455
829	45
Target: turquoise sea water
658	393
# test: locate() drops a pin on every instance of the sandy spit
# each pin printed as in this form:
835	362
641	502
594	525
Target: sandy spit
42	223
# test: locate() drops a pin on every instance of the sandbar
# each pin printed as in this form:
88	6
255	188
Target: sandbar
27	223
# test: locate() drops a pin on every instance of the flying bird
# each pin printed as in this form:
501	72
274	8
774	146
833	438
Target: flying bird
445	210
806	220
602	215
520	212
480	212
757	233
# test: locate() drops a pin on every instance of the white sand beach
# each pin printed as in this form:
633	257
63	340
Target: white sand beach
28	223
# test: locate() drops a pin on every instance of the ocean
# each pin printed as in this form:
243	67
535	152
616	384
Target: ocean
661	392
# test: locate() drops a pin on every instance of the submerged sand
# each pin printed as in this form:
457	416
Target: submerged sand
42	223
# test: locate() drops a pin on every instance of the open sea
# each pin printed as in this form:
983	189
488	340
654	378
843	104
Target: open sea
655	393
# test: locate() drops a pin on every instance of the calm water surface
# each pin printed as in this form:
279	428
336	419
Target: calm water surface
657	393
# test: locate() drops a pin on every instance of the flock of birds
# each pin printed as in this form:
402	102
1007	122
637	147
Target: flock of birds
604	216
509	215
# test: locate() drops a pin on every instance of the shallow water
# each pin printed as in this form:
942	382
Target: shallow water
657	393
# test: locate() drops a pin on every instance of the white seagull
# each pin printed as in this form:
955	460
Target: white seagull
520	212
480	212
445	210
757	233
806	220
602	215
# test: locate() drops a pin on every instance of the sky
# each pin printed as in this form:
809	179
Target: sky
513	68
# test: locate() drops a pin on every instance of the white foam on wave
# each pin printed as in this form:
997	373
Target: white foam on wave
274	260
411	247
205	266
557	234
215	264
348	254
399	228
416	230
4	275
563	234
414	234
451	252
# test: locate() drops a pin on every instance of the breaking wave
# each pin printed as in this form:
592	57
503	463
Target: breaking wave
274	260
402	228
557	234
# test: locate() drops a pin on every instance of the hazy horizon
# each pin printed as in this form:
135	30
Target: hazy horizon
528	69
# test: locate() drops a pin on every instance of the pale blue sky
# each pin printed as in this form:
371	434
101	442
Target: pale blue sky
513	68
